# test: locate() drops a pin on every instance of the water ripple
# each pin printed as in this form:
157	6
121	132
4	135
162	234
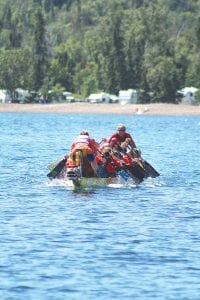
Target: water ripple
117	242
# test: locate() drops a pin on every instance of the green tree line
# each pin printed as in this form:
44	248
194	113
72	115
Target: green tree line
85	46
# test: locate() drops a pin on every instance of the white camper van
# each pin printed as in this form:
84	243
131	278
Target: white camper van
188	95
5	96
98	98
128	96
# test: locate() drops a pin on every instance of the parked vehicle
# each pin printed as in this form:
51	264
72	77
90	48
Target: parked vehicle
98	98
128	96
114	98
5	96
187	95
102	98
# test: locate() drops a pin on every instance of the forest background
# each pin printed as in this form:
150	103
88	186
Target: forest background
86	46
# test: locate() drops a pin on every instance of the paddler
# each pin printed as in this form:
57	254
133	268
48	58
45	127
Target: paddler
108	164
121	136
84	142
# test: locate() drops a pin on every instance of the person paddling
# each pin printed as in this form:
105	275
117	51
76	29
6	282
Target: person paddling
121	136
85	143
108	164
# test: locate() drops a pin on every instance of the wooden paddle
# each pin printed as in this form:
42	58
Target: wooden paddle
149	170
52	165
58	168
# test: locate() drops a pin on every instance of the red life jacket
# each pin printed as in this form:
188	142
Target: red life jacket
127	159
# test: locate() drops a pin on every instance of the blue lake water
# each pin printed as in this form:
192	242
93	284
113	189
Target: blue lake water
117	242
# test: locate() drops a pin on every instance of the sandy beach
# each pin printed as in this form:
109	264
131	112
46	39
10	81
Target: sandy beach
87	108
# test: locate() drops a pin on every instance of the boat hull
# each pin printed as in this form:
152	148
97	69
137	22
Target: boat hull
92	182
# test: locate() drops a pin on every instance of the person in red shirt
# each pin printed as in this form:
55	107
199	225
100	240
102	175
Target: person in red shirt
108	164
121	136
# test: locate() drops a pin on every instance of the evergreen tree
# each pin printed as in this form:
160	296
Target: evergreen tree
40	55
13	70
115	56
152	45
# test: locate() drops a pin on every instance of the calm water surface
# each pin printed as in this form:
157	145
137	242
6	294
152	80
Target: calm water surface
118	242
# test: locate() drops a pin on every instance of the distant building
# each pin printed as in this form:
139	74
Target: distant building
187	95
99	98
128	96
20	96
5	96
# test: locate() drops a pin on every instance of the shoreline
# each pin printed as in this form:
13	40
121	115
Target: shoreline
88	108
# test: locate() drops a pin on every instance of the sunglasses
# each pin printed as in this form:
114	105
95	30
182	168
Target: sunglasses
121	130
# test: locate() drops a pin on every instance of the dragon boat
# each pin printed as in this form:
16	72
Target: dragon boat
80	173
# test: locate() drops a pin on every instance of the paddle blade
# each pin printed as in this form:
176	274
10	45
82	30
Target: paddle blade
52	165
150	171
137	172
57	170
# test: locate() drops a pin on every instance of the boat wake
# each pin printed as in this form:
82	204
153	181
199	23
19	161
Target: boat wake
60	183
92	184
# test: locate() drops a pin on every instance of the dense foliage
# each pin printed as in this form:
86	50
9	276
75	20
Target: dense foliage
86	46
